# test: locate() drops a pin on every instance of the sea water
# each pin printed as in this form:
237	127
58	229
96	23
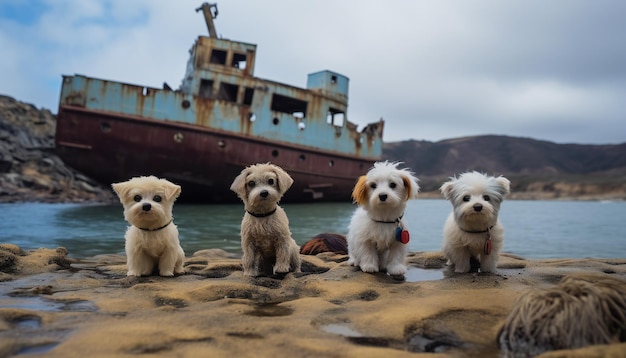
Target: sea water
533	229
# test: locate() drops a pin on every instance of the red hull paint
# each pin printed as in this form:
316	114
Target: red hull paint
112	148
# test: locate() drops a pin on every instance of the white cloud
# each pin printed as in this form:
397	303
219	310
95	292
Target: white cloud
432	69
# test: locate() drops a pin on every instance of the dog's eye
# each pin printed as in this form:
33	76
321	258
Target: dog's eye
157	198
392	185
466	198
270	181
137	198
251	184
373	185
486	198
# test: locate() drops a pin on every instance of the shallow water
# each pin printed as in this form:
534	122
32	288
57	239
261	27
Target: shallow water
533	229
416	274
340	329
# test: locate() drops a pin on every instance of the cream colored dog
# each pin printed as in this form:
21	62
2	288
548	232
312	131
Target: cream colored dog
152	239
473	229
378	233
265	236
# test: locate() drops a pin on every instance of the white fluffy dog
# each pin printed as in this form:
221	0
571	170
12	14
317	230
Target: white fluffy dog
473	229
265	236
378	233
152	239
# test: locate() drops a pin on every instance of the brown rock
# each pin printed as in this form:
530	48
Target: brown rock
330	309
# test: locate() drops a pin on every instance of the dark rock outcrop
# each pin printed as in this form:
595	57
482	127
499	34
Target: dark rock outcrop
29	168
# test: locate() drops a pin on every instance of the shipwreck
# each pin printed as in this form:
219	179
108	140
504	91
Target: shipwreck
221	119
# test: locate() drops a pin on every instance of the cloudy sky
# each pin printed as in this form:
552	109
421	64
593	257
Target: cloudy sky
552	70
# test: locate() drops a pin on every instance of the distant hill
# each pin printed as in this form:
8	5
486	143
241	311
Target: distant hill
532	165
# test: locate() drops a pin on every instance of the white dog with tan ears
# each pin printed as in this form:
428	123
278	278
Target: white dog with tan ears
152	239
265	236
378	233
473	229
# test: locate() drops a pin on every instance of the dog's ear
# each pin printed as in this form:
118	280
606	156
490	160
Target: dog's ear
121	189
412	188
359	193
239	184
446	190
504	184
172	191
284	180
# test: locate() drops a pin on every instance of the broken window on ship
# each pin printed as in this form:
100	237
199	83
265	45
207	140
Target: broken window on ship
247	96
206	88
228	92
239	61
293	106
335	117
218	57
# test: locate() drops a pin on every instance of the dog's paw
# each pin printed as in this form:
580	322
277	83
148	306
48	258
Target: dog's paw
491	268
282	270
460	267
166	273
133	273
396	270
369	268
250	273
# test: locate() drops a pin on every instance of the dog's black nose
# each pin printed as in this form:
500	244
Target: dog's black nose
146	207
382	197
264	194
478	207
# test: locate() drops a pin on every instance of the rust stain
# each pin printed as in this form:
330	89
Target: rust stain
203	109
244	118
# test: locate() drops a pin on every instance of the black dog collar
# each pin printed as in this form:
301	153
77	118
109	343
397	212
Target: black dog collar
157	229
477	232
262	215
396	221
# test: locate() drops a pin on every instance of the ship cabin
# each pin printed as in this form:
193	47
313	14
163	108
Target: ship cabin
220	75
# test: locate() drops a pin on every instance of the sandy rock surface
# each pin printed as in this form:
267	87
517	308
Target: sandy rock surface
55	306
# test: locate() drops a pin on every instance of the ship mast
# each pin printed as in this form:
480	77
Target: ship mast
210	12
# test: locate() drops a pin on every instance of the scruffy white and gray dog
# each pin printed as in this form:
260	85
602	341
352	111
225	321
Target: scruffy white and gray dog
473	229
152	239
265	236
378	233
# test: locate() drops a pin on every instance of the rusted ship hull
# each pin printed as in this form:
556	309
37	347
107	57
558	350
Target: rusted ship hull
111	147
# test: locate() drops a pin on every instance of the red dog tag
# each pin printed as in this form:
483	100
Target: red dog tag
488	246
402	235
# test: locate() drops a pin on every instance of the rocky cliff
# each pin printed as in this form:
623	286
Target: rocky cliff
29	168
